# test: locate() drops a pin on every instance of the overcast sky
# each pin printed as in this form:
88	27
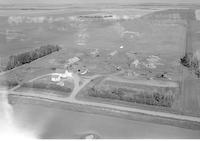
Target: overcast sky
94	1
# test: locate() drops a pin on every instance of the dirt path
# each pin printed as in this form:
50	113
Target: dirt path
77	88
145	82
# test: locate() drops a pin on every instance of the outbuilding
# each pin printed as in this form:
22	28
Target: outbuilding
73	60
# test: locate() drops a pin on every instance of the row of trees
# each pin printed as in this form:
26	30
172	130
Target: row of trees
190	61
27	57
142	97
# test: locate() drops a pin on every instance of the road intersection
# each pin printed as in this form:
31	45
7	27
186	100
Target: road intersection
72	99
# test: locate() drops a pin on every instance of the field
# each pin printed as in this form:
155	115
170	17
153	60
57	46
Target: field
137	51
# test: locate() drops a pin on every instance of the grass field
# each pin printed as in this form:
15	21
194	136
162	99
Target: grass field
162	34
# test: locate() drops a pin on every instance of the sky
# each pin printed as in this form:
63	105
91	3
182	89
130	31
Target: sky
93	1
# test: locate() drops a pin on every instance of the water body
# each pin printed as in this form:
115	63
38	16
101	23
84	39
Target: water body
59	123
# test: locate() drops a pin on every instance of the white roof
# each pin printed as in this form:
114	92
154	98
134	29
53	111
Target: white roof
55	78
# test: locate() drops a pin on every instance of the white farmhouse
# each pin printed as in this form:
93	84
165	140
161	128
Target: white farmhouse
55	78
